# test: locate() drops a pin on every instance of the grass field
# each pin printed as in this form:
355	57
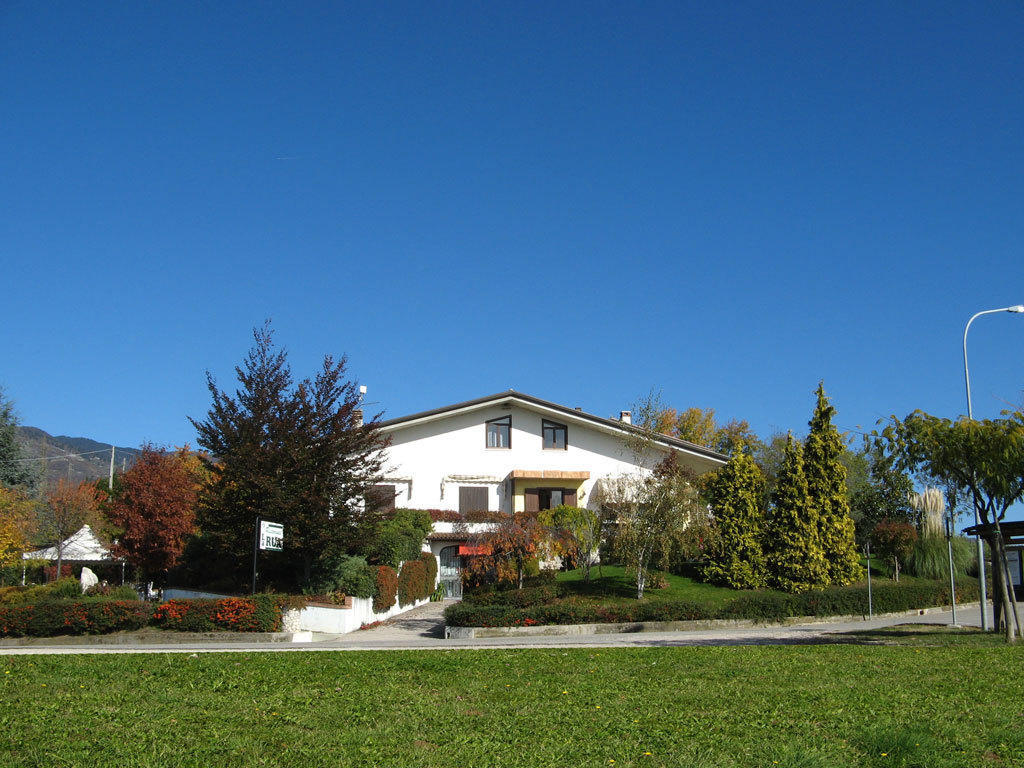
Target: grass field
693	707
612	583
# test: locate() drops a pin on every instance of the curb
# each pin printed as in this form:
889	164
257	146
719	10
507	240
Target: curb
469	633
156	638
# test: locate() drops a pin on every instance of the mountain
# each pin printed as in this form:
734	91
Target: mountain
74	458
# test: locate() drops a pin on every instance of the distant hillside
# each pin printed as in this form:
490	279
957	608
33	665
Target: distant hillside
63	455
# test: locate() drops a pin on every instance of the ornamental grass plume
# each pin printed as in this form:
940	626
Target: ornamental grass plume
931	505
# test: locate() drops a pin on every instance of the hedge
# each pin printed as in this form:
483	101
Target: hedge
86	616
260	613
838	601
387	586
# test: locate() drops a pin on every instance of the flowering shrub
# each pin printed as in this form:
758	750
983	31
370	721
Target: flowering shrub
237	614
387	588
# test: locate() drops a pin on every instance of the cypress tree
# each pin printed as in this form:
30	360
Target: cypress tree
737	496
793	554
826	484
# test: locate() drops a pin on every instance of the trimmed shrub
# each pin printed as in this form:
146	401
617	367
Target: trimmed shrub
346	574
430	562
386	588
260	613
412	582
765	606
122	592
87	616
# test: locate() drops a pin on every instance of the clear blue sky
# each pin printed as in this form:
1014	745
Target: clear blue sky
723	201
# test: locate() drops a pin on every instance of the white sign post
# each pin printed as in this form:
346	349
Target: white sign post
269	536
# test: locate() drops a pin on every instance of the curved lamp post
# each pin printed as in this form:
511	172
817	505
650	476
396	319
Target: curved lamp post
1016	308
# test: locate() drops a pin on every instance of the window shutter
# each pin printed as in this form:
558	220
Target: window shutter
472	499
532	498
569	497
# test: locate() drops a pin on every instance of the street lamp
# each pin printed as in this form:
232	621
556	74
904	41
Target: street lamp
1016	308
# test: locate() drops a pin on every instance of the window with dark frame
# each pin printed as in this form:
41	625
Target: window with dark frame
539	499
499	433
473	499
555	435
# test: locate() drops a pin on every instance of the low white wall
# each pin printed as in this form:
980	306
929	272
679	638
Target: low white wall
337	621
314	618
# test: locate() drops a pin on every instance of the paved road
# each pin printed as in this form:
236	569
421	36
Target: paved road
423	628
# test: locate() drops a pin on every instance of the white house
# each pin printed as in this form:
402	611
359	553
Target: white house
512	452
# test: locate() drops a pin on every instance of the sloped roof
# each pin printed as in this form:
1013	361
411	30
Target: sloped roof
512	395
81	545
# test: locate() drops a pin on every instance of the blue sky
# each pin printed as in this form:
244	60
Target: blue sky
723	201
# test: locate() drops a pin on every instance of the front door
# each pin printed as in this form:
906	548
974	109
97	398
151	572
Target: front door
451	572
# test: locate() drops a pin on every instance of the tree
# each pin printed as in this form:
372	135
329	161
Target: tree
297	454
826	485
698	426
884	496
794	558
895	540
513	541
985	460
16	513
67	509
574	533
155	509
737	498
15	470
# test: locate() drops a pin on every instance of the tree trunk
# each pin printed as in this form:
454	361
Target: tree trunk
1008	581
1000	588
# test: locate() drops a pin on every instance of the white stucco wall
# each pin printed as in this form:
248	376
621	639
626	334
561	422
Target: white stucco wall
429	457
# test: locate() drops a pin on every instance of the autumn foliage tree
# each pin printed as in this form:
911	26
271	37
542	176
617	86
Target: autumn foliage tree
67	508
510	545
155	509
16	513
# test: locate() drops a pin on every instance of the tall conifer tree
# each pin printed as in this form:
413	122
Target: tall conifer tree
793	553
826	484
737	497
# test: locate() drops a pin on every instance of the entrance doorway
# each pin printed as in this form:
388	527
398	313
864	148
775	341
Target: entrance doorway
450	572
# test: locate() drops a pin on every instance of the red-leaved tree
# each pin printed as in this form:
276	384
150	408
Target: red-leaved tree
156	510
509	545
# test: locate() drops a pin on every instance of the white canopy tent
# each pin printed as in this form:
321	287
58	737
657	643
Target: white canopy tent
79	546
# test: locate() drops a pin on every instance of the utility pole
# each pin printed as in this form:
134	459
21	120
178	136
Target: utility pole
110	481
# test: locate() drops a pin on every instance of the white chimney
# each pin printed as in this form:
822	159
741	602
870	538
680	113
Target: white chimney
626	417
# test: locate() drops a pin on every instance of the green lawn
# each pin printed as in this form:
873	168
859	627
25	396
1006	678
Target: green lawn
696	707
612	582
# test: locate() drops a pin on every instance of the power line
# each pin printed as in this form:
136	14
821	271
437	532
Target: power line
64	456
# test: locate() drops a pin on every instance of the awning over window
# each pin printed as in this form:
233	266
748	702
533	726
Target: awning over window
470	549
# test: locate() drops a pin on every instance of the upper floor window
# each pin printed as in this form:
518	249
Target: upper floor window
555	435
499	433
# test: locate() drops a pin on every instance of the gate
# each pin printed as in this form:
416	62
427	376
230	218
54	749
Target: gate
451	572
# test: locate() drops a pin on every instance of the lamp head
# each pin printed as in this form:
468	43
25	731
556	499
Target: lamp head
1016	308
